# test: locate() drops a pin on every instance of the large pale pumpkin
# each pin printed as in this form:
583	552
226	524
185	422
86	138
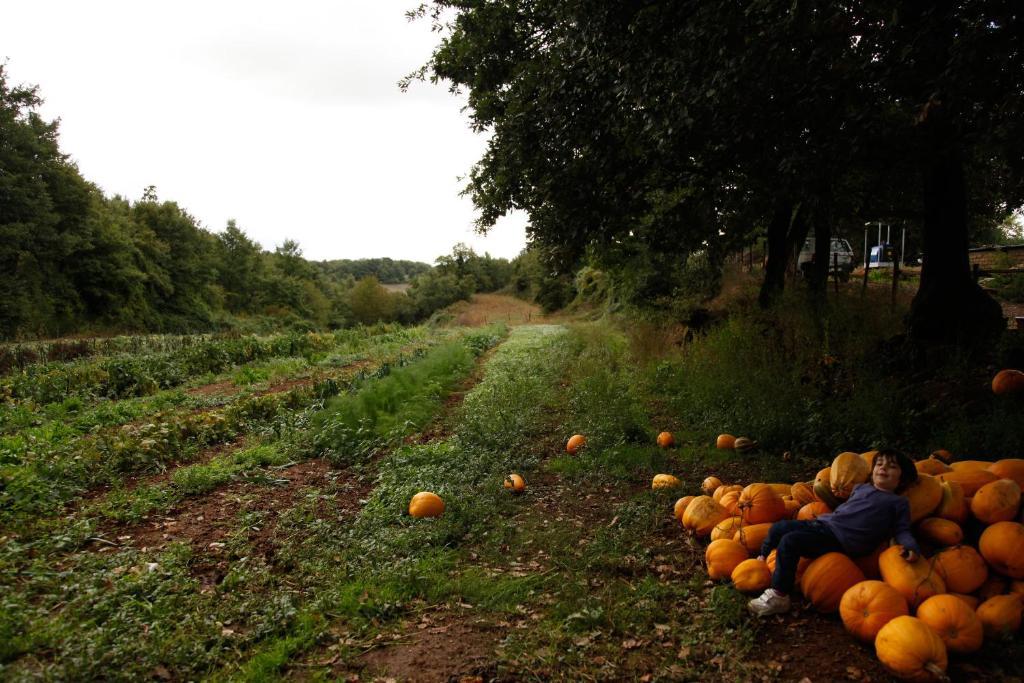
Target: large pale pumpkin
727	528
916	581
962	568
813	510
868	606
953	505
955	623
971	480
1000	615
702	515
827	578
924	495
760	503
998	501
847	470
752	535
722	556
665	481
939	532
932	466
910	649
1002	546
1009	468
751	576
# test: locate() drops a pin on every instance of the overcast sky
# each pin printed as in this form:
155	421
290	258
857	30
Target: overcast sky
283	116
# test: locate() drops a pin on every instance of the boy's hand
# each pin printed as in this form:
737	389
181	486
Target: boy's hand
908	555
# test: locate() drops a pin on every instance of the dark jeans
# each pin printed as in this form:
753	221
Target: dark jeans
794	539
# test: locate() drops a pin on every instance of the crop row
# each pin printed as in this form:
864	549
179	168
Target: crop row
20	355
127	375
77	406
46	480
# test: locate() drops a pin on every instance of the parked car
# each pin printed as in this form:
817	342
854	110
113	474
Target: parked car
840	258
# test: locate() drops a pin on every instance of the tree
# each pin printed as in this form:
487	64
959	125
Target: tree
611	120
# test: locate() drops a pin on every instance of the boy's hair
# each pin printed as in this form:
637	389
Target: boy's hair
908	472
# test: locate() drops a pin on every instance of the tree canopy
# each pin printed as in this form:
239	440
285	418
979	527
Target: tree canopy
678	126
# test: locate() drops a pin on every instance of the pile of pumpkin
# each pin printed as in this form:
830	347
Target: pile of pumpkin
969	587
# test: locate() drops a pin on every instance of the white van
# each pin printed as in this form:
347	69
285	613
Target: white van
840	256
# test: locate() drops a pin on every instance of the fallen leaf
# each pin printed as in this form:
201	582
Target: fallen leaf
632	644
160	671
684	652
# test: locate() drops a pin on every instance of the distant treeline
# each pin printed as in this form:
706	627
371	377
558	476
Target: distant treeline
387	271
73	261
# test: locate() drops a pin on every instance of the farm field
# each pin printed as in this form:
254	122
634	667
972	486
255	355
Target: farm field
249	522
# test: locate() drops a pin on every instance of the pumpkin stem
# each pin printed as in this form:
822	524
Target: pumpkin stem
937	671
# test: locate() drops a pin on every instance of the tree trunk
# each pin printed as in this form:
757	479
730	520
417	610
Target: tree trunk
822	253
949	306
784	232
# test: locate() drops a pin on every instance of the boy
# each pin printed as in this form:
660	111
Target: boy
875	512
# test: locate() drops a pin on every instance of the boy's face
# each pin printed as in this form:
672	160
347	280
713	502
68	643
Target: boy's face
885	474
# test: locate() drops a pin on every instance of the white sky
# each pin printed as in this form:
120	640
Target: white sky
283	116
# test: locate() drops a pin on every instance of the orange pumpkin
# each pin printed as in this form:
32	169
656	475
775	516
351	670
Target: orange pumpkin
813	510
514	483
1002	546
827	578
666	440
727	528
575	443
869	563
932	466
724	489
702	515
868	606
962	569
943	455
953	505
722	556
997	501
802	493
924	495
1017	587
751	576
954	622
1009	468
710	485
680	507
994	585
1000	615
725	441
760	503
847	471
731	502
940	532
869	458
910	649
970	465
1007	382
752	535
916	581
971	480
426	504
792	507
971	601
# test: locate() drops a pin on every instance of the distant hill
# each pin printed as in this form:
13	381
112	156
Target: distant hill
386	270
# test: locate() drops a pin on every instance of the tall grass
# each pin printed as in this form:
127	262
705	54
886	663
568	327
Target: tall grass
825	383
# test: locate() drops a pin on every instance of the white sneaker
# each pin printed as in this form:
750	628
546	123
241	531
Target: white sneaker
770	602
